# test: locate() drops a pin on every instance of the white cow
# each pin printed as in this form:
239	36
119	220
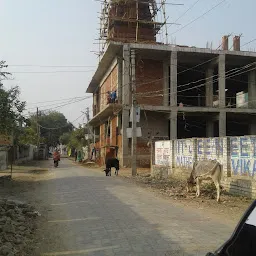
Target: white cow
205	170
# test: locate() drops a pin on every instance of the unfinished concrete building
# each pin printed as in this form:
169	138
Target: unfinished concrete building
182	91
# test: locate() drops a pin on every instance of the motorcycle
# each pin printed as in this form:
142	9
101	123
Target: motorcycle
56	163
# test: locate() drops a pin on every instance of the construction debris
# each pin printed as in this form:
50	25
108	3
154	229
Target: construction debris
17	226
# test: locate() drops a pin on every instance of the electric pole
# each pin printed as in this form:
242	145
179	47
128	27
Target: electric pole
88	130
87	125
134	119
37	131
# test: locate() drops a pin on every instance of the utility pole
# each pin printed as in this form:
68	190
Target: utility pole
37	131
134	119
88	129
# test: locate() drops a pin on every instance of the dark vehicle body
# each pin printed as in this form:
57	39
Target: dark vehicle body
243	240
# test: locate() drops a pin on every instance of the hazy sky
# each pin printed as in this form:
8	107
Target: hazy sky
63	33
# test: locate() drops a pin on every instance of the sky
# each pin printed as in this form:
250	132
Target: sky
61	34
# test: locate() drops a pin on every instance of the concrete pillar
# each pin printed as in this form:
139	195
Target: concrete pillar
173	125
209	87
222	124
222	81
210	128
126	100
166	83
126	88
252	89
173	79
119	80
125	161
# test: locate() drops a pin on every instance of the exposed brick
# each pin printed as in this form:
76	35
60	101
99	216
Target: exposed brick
149	78
122	30
110	84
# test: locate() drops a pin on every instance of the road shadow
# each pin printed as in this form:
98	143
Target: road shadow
118	229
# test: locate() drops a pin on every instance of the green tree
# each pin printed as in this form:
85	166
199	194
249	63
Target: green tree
11	107
52	125
65	138
28	136
75	139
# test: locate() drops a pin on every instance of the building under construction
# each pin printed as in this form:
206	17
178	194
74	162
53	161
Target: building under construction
181	91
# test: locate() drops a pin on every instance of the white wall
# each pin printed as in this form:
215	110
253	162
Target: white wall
236	154
3	160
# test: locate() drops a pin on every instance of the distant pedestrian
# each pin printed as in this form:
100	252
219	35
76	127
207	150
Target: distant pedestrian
75	155
79	156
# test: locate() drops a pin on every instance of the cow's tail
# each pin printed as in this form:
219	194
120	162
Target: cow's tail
221	175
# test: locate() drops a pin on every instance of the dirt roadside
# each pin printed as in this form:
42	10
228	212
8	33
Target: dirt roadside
21	209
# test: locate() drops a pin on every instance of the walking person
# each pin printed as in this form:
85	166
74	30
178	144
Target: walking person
79	156
75	155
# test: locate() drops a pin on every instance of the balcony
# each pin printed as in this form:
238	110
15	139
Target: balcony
110	110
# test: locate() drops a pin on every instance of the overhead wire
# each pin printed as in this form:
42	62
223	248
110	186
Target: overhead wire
52	66
183	14
61	127
214	7
35	103
249	42
71	100
232	71
59	106
51	72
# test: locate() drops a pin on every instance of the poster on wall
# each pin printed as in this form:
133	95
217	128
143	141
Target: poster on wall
137	114
243	156
163	153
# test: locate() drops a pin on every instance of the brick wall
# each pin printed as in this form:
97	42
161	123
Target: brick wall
236	154
124	31
149	79
110	84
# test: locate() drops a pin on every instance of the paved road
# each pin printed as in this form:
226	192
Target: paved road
91	214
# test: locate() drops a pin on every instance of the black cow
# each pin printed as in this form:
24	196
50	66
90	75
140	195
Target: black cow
111	162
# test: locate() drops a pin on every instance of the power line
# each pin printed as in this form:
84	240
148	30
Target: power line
215	6
49	109
52	66
34	103
202	72
249	42
231	73
197	65
51	72
61	127
74	100
185	12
